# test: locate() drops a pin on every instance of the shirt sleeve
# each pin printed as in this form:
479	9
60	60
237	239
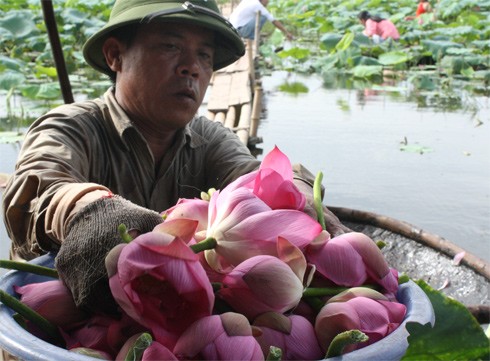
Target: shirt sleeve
52	156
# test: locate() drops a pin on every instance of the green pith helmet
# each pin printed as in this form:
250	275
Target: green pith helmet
205	13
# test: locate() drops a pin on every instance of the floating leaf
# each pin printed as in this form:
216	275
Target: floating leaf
293	88
415	148
366	71
456	334
345	42
11	79
394	58
44	70
297	53
19	22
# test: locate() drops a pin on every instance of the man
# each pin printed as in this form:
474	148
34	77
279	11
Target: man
244	16
86	168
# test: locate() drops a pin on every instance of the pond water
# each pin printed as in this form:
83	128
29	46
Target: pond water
354	138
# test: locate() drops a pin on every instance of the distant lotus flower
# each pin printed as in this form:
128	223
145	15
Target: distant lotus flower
160	283
360	309
293	334
219	337
261	284
53	301
350	259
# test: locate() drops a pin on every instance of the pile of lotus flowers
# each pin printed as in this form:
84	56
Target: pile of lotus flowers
242	273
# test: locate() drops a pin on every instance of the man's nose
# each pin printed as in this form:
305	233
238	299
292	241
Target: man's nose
189	65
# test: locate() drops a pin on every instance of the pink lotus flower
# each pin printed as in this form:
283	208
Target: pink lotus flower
102	333
360	309
196	209
53	301
219	337
244	226
273	183
159	282
350	259
154	351
261	284
293	334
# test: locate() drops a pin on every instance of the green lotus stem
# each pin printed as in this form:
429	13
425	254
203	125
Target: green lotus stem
344	339
275	354
403	278
123	232
329	291
315	303
51	330
139	346
381	244
208	243
317	199
323	291
216	286
29	267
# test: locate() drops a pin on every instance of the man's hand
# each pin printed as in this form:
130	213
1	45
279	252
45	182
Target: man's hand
92	233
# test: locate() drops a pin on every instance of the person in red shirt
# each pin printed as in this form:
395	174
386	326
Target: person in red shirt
422	8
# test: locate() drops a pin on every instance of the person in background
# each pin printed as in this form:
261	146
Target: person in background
244	15
378	28
423	7
87	167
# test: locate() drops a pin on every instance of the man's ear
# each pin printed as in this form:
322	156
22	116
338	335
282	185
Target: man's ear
112	53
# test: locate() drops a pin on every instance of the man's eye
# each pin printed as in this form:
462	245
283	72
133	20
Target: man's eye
169	46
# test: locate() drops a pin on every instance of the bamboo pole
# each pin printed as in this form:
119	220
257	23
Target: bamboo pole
230	119
256	109
410	231
244	123
220	117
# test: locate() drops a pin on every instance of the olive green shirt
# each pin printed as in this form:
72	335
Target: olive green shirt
94	142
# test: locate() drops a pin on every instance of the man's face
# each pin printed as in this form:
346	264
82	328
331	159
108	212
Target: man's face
164	74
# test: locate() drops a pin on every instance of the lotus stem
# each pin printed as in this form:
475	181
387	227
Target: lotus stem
123	232
317	199
51	330
329	291
344	339
29	267
208	243
138	347
275	354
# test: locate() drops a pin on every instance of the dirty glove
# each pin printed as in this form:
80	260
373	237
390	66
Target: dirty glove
92	233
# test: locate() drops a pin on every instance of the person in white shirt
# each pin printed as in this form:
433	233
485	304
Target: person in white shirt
244	15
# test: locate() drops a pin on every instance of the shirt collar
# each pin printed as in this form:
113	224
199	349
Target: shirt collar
122	123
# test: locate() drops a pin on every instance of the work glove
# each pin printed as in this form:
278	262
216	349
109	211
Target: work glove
92	233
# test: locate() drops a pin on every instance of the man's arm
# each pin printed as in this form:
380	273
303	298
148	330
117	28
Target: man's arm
281	27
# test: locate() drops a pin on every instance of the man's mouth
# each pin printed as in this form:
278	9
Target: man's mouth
187	93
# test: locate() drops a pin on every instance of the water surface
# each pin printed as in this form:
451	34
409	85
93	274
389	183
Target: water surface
354	138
